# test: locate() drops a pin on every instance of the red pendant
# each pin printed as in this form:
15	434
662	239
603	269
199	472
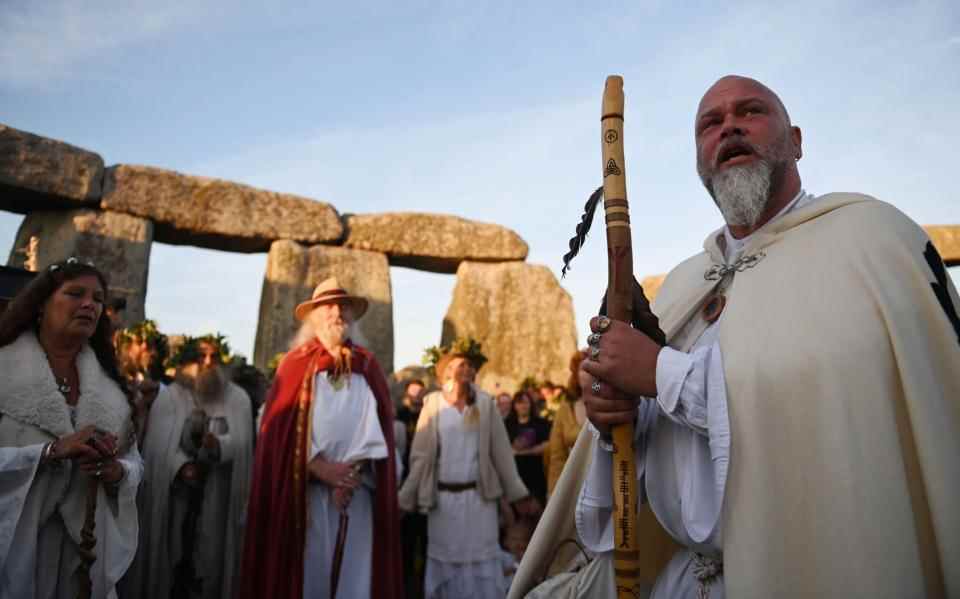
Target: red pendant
714	307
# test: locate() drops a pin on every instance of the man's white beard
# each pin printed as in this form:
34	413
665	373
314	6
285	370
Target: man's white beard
334	335
741	192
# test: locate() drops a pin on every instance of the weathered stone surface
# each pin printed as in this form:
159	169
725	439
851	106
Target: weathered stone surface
217	214
946	238
117	244
294	270
434	242
38	173
520	314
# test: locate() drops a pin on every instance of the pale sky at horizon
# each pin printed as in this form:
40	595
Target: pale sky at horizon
483	110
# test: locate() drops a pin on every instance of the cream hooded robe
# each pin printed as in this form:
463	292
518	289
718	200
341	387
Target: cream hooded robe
841	351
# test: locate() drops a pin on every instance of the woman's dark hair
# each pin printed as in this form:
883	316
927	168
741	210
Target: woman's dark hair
520	396
24	312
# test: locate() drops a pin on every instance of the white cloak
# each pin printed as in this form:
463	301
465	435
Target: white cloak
42	507
163	460
842	368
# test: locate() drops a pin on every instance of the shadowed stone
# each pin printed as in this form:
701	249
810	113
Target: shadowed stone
217	214
294	270
946	238
521	316
433	242
38	173
117	244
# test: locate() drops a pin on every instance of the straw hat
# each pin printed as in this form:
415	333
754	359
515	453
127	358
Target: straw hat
328	292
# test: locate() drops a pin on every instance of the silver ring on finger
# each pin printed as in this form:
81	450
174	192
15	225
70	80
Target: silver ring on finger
595	354
603	323
98	473
593	339
595	386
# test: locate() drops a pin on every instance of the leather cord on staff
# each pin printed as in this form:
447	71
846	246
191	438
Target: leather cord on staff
644	320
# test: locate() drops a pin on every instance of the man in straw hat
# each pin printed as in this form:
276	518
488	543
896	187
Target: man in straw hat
324	481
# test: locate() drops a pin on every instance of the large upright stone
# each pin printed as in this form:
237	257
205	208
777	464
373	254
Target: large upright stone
434	242
946	238
217	214
294	270
521	316
117	244
38	173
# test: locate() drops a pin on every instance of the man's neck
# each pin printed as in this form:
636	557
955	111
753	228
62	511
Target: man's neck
458	395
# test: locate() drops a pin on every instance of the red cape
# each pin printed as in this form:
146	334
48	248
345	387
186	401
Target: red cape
272	563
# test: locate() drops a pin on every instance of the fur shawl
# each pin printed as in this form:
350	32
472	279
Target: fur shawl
29	393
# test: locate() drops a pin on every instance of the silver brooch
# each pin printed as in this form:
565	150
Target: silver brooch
718	271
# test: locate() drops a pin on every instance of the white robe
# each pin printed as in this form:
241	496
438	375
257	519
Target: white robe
42	507
463	552
344	428
682	453
226	490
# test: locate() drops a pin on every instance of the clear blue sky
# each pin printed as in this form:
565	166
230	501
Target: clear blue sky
483	110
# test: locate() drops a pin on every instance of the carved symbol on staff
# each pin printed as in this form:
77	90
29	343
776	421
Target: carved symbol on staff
612	168
610	136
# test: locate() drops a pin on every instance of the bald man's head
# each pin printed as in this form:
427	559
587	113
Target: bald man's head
746	150
728	81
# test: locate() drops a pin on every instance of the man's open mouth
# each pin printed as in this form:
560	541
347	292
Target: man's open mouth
732	151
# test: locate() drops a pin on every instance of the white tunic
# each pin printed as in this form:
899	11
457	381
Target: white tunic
682	451
345	428
463	551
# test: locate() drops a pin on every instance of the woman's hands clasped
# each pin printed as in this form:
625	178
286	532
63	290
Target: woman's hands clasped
93	451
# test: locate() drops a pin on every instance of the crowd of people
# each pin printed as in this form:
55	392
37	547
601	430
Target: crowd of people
783	439
143	465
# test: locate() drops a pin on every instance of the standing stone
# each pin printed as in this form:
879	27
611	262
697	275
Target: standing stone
521	316
38	173
433	242
217	214
651	285
946	238
293	271
117	244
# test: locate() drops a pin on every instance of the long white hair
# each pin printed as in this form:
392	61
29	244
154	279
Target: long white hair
306	332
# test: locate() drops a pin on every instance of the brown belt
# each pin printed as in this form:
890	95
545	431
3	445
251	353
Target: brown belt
456	487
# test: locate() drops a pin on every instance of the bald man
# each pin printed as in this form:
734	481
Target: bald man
798	435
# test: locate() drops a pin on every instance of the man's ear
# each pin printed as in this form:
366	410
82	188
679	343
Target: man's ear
797	136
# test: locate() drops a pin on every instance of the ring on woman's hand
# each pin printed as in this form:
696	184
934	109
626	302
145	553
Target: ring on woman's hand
595	387
595	354
593	339
98	473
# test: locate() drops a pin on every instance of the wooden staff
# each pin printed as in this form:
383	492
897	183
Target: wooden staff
620	307
88	541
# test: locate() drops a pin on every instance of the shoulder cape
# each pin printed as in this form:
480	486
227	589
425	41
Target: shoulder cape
272	564
841	351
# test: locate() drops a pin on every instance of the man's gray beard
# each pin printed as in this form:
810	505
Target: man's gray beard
741	192
209	384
